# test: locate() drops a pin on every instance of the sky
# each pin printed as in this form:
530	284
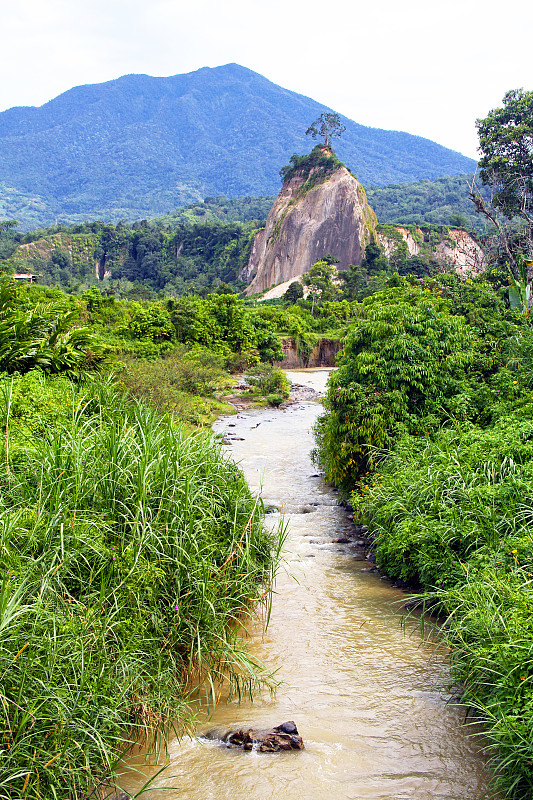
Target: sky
428	68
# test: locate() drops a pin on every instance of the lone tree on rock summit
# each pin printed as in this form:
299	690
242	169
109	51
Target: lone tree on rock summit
327	125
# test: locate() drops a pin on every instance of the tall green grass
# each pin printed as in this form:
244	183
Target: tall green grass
453	516
131	556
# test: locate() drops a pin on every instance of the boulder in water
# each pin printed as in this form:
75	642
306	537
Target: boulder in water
282	737
308	509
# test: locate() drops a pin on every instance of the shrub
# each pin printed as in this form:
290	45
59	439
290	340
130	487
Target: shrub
44	337
405	359
275	400
269	381
182	382
453	516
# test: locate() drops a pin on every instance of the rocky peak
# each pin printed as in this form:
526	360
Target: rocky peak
322	209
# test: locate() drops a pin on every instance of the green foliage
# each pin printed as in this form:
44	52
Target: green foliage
275	400
130	556
314	167
428	425
373	258
319	279
520	292
269	382
221	209
418	265
223	324
453	515
405	358
293	293
441	201
152	323
183	382
354	280
267	341
505	141
327	125
7	238
131	553
506	164
43	337
136	261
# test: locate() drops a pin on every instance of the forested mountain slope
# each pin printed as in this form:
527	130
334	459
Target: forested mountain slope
140	146
443	201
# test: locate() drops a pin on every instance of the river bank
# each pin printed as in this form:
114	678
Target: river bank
369	700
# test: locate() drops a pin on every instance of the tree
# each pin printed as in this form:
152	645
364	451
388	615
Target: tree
506	167
354	279
294	292
327	125
320	280
506	144
7	237
61	259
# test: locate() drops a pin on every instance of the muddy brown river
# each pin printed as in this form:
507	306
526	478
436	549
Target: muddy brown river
368	696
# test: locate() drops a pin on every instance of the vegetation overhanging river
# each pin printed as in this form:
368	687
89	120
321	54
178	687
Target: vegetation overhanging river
368	696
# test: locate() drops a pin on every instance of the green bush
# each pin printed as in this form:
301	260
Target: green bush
182	382
275	400
43	337
269	381
405	360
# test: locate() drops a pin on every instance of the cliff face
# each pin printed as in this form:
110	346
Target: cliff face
455	249
312	217
79	248
322	355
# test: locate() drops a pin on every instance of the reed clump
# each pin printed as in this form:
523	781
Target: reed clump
130	555
453	516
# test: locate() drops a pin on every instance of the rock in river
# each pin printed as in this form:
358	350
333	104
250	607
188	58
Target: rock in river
282	737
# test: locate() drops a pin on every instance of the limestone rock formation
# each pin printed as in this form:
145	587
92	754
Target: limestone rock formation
455	248
319	211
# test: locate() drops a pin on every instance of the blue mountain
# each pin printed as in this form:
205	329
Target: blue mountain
140	146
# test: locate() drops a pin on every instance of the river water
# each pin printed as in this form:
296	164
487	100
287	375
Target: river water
368	696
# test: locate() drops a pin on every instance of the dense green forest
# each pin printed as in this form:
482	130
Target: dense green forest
140	146
200	248
443	201
135	260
